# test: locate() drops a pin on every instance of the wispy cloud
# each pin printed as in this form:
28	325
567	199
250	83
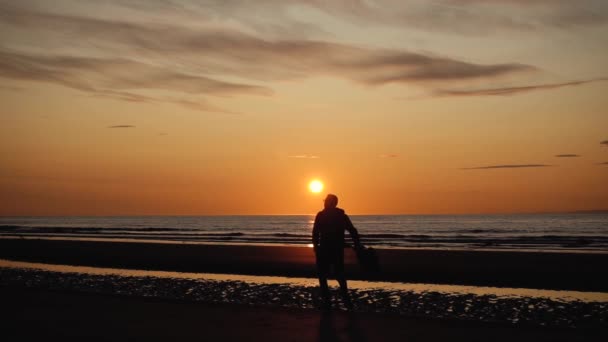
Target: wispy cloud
604	143
506	166
470	17
604	163
208	56
198	104
304	156
535	14
10	88
514	90
197	60
567	155
389	155
122	126
112	77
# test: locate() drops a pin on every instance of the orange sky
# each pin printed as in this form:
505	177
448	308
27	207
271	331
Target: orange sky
153	108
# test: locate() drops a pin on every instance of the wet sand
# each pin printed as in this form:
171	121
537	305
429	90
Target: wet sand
527	269
515	306
64	316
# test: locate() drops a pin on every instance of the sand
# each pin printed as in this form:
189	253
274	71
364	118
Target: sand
532	307
52	305
29	315
528	269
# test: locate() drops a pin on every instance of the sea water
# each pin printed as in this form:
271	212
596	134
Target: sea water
531	231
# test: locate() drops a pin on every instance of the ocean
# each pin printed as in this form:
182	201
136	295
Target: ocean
583	232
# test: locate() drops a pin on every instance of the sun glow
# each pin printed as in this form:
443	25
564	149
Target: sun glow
315	186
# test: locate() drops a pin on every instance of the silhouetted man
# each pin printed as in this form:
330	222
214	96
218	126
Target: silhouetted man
328	242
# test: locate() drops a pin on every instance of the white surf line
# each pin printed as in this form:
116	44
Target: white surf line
5	236
149	241
556	295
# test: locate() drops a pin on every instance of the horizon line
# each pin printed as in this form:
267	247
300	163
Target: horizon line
588	211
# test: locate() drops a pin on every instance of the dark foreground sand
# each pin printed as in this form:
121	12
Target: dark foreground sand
559	309
542	270
38	315
51	306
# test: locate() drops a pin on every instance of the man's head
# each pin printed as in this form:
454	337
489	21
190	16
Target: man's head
331	201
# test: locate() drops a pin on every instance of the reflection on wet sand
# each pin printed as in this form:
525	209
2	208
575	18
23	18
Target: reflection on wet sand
332	328
551	308
312	282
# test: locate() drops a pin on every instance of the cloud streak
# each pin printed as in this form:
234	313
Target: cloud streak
604	143
469	17
567	156
209	59
548	13
113	77
507	166
465	17
122	126
304	156
514	90
9	88
197	60
198	104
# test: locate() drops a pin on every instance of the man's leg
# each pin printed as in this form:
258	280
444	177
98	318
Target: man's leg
341	278
323	271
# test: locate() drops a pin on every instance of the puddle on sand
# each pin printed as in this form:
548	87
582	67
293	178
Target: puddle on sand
538	307
554	295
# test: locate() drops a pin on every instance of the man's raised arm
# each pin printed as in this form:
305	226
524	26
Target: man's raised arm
354	234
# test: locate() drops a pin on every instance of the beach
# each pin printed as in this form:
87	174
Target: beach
76	316
563	270
141	290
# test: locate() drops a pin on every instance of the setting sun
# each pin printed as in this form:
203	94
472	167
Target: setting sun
315	186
